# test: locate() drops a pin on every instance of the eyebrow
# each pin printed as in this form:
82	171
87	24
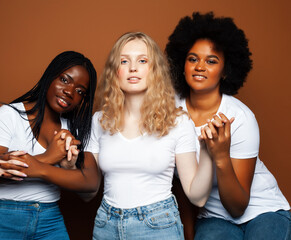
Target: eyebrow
209	56
126	55
73	80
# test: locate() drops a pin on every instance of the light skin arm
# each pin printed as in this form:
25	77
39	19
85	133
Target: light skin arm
196	179
234	176
6	165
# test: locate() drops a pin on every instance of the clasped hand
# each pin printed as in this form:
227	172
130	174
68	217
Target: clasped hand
216	135
19	164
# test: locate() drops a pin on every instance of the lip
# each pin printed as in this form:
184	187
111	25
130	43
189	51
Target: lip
63	102
198	77
133	79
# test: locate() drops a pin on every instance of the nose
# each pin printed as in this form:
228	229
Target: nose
132	67
200	67
69	91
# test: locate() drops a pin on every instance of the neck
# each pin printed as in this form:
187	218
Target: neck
203	106
132	105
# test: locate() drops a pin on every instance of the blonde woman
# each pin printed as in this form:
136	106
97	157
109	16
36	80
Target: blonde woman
138	138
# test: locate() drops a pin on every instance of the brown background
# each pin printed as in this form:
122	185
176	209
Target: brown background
33	32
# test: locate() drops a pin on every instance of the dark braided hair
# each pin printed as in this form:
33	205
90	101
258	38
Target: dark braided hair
79	120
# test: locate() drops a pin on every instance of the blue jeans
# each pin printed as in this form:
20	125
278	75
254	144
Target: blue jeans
156	221
267	226
31	221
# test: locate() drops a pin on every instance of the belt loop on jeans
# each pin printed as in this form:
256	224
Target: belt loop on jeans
175	200
109	213
140	216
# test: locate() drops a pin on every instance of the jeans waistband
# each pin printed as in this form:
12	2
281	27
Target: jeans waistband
27	205
139	211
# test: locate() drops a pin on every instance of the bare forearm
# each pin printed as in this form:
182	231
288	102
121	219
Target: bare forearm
87	180
202	183
232	195
46	159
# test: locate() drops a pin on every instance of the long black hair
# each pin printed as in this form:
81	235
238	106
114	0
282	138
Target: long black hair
79	120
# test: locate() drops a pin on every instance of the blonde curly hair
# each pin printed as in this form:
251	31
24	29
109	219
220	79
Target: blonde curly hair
158	111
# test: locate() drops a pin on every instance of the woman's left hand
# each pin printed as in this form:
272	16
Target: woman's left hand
217	136
70	162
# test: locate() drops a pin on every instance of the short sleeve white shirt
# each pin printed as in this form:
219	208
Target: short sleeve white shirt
16	134
139	171
265	193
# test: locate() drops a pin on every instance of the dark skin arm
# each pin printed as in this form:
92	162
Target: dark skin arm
61	149
234	176
58	147
85	180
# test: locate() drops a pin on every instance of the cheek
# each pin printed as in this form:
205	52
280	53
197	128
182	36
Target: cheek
188	68
217	73
120	73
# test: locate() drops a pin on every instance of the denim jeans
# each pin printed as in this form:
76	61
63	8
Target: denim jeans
156	221
266	226
31	221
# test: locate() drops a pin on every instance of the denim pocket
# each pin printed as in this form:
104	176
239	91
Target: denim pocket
101	218
161	219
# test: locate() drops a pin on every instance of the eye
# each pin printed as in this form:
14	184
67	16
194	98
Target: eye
80	91
192	59
212	61
123	61
63	79
143	61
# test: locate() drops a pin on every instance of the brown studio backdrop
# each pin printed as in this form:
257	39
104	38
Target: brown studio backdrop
33	32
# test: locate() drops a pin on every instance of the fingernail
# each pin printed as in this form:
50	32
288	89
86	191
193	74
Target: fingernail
25	165
23	175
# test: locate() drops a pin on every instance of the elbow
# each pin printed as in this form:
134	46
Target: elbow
198	202
237	212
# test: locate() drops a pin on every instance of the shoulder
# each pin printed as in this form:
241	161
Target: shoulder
96	127
233	107
245	124
180	102
184	122
97	116
11	109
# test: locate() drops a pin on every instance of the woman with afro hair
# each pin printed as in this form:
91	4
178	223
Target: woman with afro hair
209	60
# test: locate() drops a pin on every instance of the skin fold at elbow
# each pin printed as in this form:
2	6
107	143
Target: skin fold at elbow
198	202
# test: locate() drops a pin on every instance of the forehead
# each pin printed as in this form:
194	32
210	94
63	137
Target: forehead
135	47
205	46
79	74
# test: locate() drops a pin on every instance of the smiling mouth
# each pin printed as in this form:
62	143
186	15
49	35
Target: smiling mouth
199	77
63	103
133	79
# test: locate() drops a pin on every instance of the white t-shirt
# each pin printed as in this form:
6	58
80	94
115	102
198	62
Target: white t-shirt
16	134
265	193
139	171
